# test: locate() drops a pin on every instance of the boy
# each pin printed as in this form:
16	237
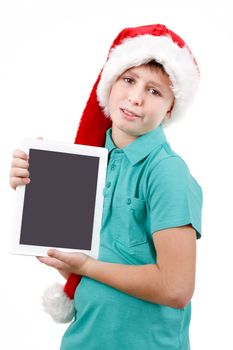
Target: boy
137	294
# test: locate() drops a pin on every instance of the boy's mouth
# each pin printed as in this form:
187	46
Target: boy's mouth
129	114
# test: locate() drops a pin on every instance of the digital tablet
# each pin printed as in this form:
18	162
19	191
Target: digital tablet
62	205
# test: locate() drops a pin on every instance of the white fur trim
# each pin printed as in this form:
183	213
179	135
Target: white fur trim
177	62
58	304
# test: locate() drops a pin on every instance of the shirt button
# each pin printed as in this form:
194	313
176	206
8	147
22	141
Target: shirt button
113	167
128	201
108	184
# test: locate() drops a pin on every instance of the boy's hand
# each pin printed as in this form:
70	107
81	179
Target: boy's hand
19	174
67	262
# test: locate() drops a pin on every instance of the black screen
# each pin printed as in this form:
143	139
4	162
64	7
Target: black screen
59	202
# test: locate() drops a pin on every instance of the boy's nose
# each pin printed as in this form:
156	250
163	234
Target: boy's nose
136	99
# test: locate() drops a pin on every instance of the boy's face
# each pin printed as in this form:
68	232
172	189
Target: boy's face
139	101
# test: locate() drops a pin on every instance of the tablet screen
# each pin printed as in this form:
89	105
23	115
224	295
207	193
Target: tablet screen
59	202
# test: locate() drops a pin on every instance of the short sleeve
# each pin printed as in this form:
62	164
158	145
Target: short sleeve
174	196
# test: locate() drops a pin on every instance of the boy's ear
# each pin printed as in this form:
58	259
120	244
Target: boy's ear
169	112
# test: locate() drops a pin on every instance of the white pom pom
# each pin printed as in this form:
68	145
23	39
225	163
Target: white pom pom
58	304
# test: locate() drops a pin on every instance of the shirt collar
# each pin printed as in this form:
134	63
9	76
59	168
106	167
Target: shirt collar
142	146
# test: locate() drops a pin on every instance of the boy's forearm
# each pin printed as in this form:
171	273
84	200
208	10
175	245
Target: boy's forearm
142	281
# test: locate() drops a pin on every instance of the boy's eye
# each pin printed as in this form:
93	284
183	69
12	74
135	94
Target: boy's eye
155	92
128	80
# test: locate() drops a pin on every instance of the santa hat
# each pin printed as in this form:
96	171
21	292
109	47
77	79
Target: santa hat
132	47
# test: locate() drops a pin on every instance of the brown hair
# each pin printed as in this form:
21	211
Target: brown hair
157	65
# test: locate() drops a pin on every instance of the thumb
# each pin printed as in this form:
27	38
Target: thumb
57	254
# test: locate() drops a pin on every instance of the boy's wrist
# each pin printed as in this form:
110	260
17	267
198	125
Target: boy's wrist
88	266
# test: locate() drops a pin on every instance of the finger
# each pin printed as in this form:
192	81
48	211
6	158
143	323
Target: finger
17	181
52	262
64	274
18	153
40	138
19	172
62	256
19	163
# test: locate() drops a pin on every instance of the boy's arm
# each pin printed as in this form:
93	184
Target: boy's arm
170	282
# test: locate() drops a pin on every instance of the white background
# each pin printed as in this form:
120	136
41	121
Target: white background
51	52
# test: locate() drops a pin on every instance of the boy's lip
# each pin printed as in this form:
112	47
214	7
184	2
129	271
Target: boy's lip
130	113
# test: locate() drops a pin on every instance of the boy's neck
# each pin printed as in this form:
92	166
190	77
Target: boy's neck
122	139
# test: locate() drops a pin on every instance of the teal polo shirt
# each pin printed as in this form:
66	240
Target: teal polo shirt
148	188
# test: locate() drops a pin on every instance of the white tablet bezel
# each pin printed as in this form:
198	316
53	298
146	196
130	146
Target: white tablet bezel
102	154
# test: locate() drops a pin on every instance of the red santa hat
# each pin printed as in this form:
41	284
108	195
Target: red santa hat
132	47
